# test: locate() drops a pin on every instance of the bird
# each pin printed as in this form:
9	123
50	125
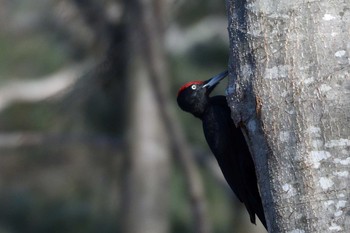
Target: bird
225	140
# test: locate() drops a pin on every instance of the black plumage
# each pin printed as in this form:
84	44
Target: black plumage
225	141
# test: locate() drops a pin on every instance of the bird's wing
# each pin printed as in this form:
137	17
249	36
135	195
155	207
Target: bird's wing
232	153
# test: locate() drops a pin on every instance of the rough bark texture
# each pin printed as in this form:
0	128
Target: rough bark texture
290	90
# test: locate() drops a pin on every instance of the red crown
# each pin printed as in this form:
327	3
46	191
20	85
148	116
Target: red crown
187	85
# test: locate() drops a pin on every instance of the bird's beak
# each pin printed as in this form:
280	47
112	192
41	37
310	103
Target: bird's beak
211	83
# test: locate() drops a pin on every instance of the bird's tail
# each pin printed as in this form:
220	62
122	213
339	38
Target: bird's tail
260	214
255	208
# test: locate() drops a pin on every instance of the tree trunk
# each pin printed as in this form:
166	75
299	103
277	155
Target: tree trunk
146	203
289	89
152	124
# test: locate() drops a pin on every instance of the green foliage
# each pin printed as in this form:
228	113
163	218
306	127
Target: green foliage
26	116
218	203
30	212
192	11
211	53
180	206
46	193
29	56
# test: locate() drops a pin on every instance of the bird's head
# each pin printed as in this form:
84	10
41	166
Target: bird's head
193	96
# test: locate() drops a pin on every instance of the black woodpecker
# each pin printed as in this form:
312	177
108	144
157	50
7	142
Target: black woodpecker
225	140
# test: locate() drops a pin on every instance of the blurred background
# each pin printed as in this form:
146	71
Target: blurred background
91	139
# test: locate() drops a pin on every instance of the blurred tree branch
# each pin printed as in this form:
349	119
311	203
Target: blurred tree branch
40	88
16	140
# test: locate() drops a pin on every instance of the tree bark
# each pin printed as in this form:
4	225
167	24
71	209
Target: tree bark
289	89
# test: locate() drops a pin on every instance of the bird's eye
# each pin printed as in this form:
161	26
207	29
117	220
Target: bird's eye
194	87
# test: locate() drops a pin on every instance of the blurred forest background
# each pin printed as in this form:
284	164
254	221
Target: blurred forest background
85	146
